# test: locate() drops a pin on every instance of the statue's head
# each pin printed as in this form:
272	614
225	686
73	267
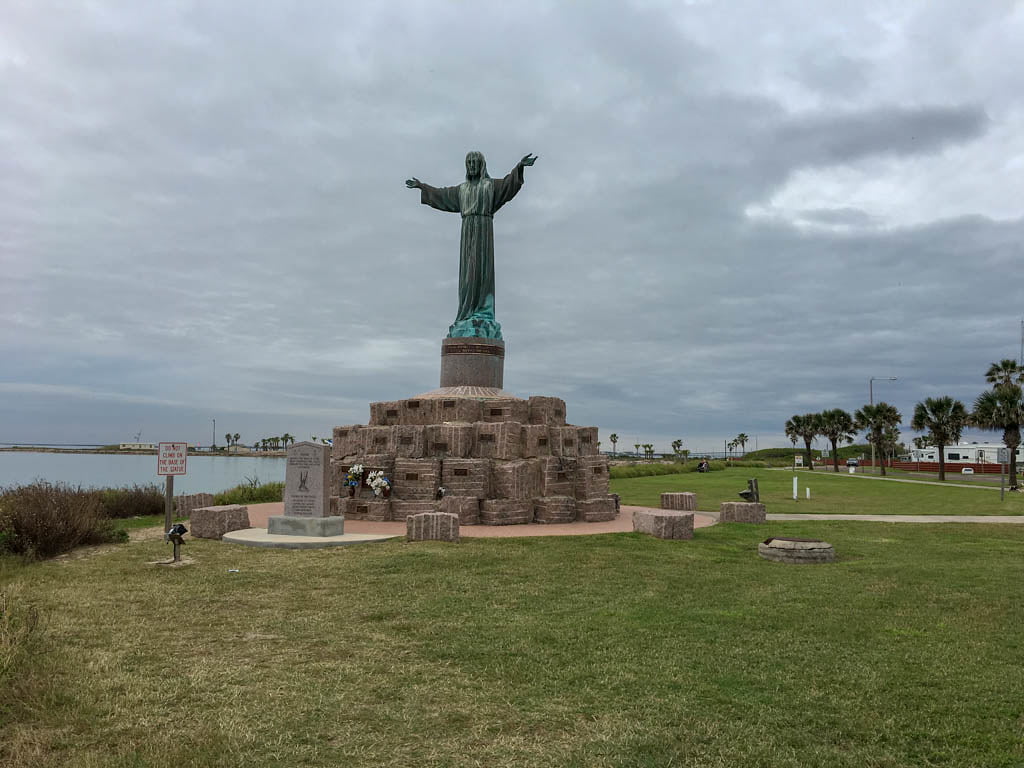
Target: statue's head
476	166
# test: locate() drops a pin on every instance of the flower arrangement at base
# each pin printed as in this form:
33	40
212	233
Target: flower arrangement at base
354	478
379	483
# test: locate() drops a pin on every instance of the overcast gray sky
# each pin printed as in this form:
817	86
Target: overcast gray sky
741	210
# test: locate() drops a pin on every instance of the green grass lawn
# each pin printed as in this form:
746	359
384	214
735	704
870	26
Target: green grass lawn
830	493
613	650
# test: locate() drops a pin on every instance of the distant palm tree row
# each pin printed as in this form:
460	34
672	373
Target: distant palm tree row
942	418
648	448
274	443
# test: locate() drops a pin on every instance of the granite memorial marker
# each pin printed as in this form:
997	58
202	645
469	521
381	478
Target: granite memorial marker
307	504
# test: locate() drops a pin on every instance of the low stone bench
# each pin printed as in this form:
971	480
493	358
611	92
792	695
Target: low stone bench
685	502
664	523
214	522
741	512
184	504
796	551
432	526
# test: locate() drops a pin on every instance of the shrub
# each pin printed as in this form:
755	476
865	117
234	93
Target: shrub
45	519
251	493
137	501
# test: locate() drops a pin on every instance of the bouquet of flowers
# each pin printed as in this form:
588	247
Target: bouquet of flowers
378	482
355	475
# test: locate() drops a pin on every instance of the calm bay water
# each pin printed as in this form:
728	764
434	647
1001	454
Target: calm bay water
106	470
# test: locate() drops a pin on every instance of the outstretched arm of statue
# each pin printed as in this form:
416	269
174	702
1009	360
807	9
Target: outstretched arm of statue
414	183
529	159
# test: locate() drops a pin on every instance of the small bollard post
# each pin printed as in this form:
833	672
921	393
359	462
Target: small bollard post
796	496
174	535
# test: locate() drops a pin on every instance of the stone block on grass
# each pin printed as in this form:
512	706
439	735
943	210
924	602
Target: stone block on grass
741	512
664	523
432	526
683	502
214	522
184	504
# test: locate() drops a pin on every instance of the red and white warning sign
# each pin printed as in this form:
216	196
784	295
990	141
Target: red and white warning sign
170	458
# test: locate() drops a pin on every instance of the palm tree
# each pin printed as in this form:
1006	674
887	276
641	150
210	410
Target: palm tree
1005	373
637	446
237	437
806	428
944	419
741	440
879	421
677	446
1002	407
287	439
837	425
614	439
227	439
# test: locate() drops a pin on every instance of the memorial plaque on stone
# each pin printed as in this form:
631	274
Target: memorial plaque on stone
306	491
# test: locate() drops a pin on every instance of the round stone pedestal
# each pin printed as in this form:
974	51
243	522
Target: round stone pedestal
472	362
796	551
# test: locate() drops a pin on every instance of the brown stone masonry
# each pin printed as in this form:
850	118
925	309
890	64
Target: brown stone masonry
516	479
416	479
554	509
591	477
467	477
443	440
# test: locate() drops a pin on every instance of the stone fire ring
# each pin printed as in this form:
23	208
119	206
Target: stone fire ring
796	551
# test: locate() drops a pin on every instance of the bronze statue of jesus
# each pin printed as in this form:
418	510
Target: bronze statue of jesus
477	199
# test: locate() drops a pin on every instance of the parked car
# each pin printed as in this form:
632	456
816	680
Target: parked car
852	463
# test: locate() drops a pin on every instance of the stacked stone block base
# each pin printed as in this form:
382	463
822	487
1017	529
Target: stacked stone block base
664	524
741	512
432	526
500	461
214	522
465	508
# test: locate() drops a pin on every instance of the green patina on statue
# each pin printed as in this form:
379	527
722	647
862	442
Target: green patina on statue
477	199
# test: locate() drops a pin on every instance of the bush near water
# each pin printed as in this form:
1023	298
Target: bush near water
44	519
252	492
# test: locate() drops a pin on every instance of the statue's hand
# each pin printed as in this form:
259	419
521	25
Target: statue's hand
413	183
528	160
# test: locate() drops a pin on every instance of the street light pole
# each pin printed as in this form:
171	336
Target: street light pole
214	443
871	401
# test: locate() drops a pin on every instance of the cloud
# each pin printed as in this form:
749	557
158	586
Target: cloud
737	214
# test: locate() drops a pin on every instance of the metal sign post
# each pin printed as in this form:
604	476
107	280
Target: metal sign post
170	461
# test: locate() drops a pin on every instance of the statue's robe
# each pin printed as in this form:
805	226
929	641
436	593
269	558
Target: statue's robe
477	201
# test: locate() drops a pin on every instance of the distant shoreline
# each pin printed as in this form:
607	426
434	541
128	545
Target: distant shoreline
109	452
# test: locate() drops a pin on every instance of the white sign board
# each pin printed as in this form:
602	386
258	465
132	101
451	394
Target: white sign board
170	458
1003	455
799	460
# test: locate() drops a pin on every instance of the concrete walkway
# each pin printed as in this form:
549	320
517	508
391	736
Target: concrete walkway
258	514
830	473
1011	519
